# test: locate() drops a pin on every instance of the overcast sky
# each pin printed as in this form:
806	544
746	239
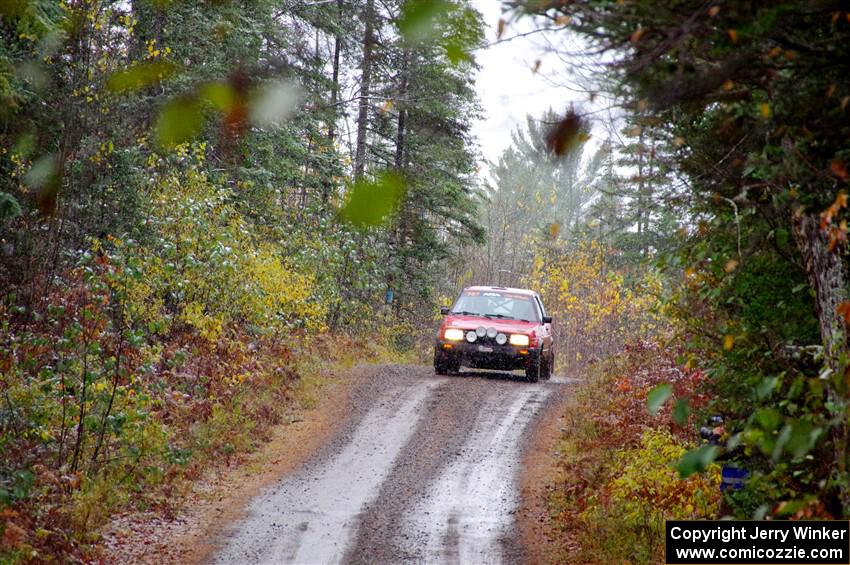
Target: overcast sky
507	86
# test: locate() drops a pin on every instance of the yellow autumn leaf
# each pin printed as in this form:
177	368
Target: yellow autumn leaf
728	342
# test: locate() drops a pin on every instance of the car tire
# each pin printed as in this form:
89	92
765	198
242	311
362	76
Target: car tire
546	369
440	366
533	371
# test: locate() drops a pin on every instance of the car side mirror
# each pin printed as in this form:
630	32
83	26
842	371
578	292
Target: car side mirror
444	310
547	319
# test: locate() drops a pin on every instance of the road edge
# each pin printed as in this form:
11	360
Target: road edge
538	469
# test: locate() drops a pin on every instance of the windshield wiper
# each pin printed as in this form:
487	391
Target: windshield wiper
505	317
465	313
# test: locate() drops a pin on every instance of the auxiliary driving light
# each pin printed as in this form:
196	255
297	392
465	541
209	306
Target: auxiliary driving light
491	332
481	331
501	339
519	339
470	336
453	334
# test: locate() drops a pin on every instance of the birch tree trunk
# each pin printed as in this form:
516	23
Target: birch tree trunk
825	271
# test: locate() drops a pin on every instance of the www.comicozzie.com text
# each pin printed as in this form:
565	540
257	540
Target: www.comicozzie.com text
755	532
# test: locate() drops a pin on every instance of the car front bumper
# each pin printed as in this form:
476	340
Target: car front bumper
485	356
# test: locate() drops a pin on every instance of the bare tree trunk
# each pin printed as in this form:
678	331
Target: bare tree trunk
402	112
365	86
328	184
405	223
335	79
640	203
825	271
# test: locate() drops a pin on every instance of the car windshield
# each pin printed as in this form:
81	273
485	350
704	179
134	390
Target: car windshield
496	305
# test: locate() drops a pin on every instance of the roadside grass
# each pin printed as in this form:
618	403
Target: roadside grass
331	353
615	480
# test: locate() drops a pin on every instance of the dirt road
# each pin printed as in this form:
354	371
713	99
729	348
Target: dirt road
424	470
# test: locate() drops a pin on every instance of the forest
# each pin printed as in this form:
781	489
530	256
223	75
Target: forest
204	204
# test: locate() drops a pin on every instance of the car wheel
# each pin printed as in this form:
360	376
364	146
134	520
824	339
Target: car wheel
441	367
546	369
532	372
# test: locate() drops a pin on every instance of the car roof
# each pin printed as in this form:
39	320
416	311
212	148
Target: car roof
502	288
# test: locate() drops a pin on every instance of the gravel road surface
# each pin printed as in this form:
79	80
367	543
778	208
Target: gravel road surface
424	471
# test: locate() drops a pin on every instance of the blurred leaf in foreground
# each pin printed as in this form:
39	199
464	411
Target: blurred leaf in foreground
24	145
43	177
371	202
9	207
274	103
658	396
697	460
417	18
681	411
218	94
565	135
179	121
139	76
456	53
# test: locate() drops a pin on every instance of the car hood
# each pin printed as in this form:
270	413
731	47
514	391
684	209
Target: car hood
501	325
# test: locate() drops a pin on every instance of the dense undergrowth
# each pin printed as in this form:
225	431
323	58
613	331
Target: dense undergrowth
617	476
144	422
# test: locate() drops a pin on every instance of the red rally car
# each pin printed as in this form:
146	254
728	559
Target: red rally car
493	327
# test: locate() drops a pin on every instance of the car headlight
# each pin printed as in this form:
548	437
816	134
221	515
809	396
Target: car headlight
453	334
470	336
519	339
501	339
